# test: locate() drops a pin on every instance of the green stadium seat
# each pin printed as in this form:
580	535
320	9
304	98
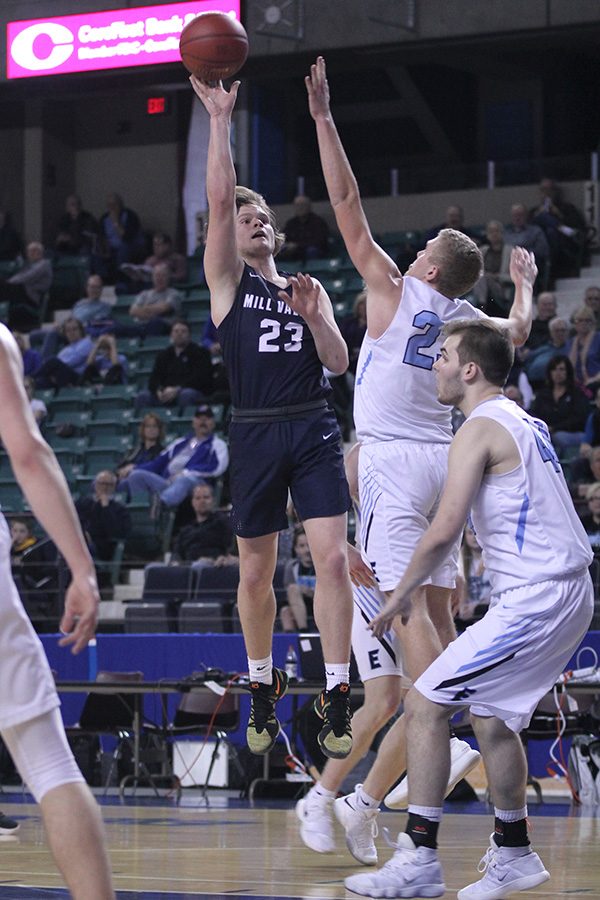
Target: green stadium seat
120	443
323	267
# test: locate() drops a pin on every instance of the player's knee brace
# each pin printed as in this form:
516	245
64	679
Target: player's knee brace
41	753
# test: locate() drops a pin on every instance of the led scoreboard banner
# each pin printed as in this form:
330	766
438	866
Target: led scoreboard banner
114	39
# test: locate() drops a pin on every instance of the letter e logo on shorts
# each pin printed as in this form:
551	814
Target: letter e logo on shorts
374	659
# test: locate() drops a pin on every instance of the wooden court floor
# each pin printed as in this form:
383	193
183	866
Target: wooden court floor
225	848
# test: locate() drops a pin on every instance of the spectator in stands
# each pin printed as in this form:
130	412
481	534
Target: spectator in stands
561	405
182	374
354	327
37	406
582	472
209	536
306	233
68	365
455	218
545	311
591	432
535	362
522	233
104	364
151	443
11	245
173	474
90	311
137	276
591	298
77	230
491	289
210	340
584	348
31	358
121	236
22	538
514	393
299	580
154	309
564	227
104	520
25	289
591	519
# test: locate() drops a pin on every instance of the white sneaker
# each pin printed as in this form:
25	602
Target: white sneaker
462	759
316	822
505	873
411	872
360	826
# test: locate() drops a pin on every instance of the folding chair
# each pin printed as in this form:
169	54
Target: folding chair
210	715
120	715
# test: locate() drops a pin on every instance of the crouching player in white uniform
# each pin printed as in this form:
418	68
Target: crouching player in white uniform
503	467
30	720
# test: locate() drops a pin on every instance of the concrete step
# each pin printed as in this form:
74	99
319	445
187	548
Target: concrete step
122	592
575	284
135	578
591	272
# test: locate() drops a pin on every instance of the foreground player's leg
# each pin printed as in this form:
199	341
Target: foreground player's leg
509	864
333	610
72	819
437	606
257	608
315	811
414	870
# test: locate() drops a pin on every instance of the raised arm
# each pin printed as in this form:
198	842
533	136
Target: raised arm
379	271
44	485
523	272
310	300
223	265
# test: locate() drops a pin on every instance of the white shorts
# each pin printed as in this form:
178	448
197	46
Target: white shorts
28	685
400	485
374	656
504	664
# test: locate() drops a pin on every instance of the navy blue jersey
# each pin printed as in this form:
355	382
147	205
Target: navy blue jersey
269	350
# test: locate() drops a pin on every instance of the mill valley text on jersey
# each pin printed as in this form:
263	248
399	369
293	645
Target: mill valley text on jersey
268	349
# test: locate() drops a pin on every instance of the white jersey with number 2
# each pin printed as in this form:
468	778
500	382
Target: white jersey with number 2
394	392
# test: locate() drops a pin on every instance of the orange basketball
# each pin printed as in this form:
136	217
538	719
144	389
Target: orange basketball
213	46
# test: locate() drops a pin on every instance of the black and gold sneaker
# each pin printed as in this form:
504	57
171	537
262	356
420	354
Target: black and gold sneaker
263	726
335	737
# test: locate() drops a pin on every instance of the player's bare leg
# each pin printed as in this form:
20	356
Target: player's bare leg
75	834
257	609
256	599
333	610
315	811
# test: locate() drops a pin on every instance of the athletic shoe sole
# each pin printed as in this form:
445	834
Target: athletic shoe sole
525	883
398	797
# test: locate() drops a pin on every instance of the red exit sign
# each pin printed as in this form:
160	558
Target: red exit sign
157	106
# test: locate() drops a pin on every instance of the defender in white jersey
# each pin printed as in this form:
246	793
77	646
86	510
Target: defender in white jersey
404	431
30	720
379	662
503	468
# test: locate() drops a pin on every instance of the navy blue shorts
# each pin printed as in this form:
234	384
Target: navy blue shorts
303	455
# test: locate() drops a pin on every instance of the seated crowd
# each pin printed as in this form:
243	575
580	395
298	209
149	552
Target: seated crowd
173	456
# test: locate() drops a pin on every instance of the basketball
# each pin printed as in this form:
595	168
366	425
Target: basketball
213	46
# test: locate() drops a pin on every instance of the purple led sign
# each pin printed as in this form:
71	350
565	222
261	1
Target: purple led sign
115	39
